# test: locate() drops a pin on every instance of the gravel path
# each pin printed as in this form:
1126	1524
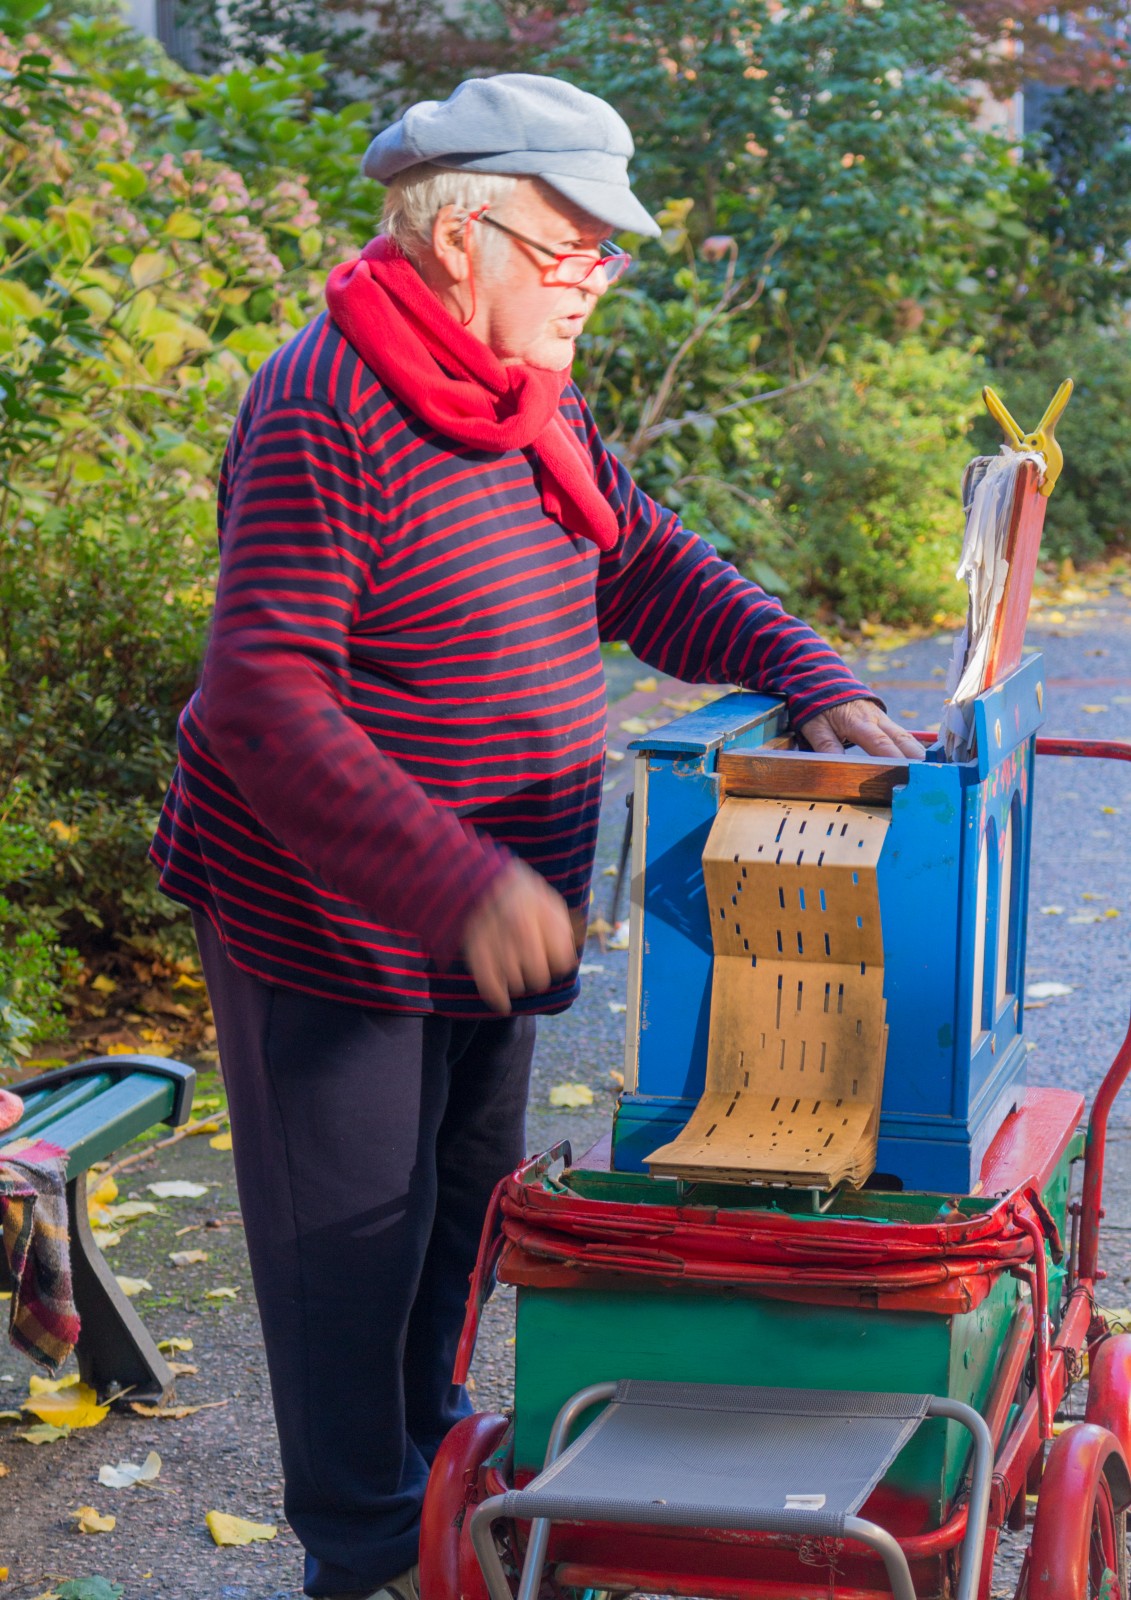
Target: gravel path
226	1459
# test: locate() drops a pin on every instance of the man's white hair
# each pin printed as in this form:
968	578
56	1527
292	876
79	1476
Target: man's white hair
414	198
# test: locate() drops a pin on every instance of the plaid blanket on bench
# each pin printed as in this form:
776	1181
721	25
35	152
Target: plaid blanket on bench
43	1322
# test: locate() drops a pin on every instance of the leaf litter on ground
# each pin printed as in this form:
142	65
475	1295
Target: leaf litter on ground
174	1413
228	1530
1047	991
177	1189
127	1473
44	1433
132	1286
88	1520
571	1095
72	1405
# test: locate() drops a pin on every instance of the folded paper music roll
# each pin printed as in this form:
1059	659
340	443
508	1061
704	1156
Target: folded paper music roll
795	1059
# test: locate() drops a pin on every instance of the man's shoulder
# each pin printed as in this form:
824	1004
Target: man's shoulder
319	369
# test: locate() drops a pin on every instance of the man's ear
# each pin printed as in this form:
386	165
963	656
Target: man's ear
449	243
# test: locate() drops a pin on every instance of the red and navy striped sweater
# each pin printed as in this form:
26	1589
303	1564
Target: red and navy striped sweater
404	685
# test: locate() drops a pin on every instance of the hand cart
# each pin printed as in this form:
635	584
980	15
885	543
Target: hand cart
723	1392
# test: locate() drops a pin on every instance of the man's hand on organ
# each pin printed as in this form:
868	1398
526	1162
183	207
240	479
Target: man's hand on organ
519	939
863	723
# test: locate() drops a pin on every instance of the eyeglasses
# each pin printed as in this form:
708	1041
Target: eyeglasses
569	269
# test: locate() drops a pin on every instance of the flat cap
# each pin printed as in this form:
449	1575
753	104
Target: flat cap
528	126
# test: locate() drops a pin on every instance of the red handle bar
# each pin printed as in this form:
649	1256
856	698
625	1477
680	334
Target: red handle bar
1091	1206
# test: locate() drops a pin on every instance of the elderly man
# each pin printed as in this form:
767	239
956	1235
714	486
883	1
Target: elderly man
386	804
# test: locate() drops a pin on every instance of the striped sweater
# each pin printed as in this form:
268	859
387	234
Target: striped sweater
403	686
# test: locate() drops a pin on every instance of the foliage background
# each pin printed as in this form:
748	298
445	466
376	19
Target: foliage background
847	256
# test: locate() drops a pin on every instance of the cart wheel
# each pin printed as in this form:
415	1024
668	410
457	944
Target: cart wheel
1109	1389
448	1567
1079	1548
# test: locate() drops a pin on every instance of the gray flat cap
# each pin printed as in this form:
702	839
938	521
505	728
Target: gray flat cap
525	125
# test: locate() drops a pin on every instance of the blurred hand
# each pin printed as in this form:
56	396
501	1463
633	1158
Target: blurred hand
863	723
519	939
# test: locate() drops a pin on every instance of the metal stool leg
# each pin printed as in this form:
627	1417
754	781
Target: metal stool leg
979	1510
483	1542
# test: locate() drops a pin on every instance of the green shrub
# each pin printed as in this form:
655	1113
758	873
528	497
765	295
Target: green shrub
33	965
138	292
866	473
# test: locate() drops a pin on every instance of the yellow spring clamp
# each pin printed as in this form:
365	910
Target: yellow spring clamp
1043	437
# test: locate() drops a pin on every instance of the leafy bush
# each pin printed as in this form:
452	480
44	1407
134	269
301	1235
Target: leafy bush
866	472
32	964
138	292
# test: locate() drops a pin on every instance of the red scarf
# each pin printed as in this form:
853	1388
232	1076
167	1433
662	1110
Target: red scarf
453	381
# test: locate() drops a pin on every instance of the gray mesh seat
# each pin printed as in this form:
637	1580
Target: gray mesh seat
724	1456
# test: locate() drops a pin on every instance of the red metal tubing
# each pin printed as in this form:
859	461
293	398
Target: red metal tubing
1012	1464
1041	1307
1091	1200
1102	749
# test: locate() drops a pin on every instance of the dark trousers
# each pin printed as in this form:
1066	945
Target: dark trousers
366	1144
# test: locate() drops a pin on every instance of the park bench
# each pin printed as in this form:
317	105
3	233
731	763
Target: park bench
90	1109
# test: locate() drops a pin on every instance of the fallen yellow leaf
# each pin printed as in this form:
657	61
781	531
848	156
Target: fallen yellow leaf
88	1520
43	1433
645	685
222	1141
1093	710
571	1094
220	1294
3	1470
127	1211
171	1346
183	1369
183	981
236	1530
132	1286
103	984
188	1258
38	1385
175	1413
635	725
76	1406
104	1193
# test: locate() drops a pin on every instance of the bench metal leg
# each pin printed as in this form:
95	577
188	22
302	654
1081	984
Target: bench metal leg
115	1349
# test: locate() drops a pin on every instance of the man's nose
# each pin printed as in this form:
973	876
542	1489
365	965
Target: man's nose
597	282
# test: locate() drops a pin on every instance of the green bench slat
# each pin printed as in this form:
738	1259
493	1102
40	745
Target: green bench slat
101	1123
42	1109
